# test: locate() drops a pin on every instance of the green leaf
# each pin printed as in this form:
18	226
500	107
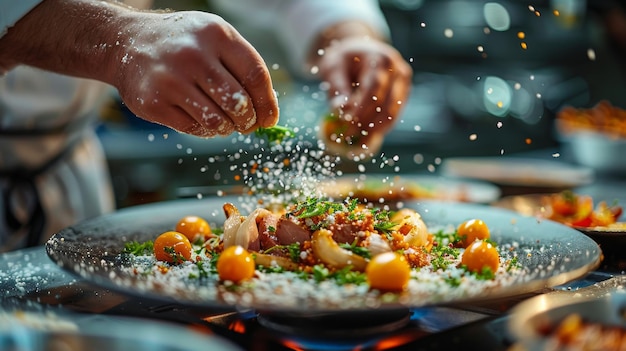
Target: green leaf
275	134
139	249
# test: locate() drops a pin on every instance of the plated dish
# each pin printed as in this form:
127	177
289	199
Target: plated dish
575	210
513	171
391	188
92	250
590	318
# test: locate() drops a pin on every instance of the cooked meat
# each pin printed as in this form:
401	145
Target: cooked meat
267	231
344	233
289	232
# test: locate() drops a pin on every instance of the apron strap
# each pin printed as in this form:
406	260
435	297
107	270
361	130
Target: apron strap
33	220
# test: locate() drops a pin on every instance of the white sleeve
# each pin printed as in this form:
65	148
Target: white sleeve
12	11
297	23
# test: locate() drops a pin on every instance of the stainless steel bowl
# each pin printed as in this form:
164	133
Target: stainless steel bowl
603	303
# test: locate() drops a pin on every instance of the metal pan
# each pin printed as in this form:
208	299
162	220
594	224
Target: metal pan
550	253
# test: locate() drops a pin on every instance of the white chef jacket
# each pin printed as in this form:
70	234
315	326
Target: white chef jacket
53	172
297	23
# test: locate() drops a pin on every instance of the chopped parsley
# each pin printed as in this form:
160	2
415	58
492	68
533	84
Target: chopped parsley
444	238
176	257
313	206
441	255
513	264
203	272
138	249
275	134
342	277
292	249
357	250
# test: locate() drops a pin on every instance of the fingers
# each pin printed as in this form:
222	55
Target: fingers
201	78
368	87
249	70
227	100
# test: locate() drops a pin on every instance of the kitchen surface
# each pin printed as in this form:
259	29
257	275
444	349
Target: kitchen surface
483	131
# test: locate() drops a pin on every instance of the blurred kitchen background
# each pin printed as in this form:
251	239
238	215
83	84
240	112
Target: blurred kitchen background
489	80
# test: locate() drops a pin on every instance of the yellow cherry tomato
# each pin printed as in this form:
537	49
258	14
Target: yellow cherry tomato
192	226
471	230
172	247
235	264
388	271
480	255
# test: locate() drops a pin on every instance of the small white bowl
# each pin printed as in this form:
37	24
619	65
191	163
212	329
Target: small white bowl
599	151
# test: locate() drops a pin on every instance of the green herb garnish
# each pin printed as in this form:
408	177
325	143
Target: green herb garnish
357	250
202	271
138	249
513	264
293	250
176	257
275	134
343	276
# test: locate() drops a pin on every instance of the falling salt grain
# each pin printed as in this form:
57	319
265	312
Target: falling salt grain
591	54
499	124
473	137
556	155
418	159
448	33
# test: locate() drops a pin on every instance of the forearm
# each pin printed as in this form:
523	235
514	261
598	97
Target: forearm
60	36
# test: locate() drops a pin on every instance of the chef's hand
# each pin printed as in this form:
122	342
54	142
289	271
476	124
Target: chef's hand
193	72
187	70
369	82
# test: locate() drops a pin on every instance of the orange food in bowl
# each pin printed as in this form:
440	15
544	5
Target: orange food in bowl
603	118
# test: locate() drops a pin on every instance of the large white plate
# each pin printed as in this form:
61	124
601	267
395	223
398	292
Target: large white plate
527	172
551	254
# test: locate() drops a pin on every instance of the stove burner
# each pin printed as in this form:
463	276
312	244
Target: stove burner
330	325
